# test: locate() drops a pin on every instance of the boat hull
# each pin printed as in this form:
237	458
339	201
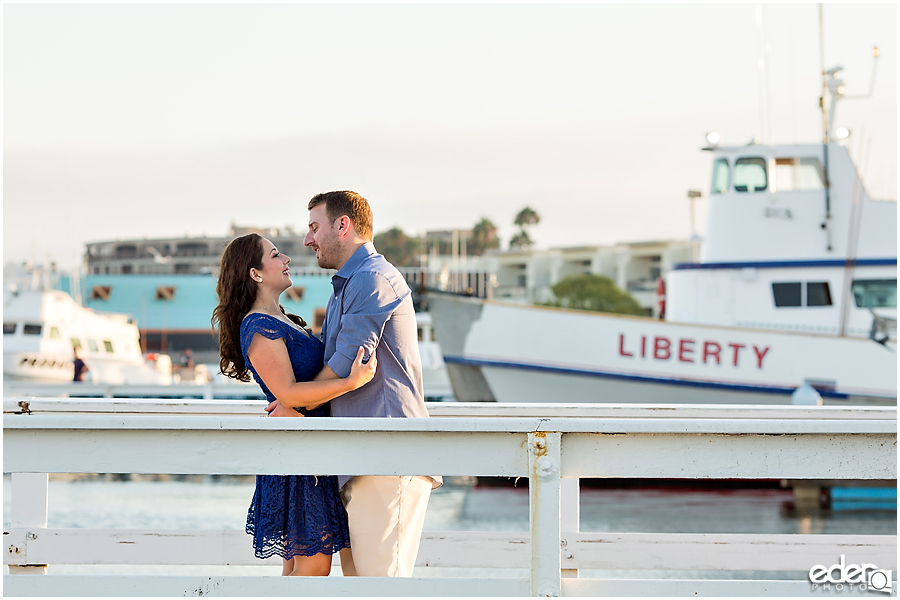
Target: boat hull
514	353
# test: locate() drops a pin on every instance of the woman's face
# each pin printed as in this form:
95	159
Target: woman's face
274	272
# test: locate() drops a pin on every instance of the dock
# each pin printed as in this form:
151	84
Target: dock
553	445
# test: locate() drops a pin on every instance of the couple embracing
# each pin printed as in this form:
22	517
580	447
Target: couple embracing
368	366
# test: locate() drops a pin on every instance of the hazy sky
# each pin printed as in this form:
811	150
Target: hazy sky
127	120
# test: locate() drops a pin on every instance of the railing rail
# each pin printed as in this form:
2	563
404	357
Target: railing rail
200	437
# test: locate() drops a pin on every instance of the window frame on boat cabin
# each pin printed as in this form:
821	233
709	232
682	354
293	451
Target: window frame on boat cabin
783	174
10	328
107	345
890	283
796	174
92	345
758	161
32	329
717	173
794	294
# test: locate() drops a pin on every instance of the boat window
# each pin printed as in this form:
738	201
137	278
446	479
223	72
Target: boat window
875	293
108	345
165	292
294	294
750	174
9	328
101	292
721	175
818	293
76	343
92	345
32	329
787	294
798	174
54	333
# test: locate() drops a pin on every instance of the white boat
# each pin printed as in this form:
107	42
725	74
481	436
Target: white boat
795	283
40	329
435	379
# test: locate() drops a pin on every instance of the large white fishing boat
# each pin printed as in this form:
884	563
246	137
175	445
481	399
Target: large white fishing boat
797	282
41	328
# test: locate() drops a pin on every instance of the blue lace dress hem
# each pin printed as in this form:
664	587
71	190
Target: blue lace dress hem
294	515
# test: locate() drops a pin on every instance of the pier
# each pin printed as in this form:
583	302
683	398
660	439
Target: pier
553	445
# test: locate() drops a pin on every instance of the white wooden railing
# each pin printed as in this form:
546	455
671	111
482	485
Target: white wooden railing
631	441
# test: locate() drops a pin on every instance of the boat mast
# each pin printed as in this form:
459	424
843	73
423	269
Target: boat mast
826	225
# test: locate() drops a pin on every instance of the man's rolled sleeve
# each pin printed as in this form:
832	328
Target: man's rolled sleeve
369	299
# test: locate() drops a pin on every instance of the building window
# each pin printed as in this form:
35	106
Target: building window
797	174
165	292
318	320
721	175
32	329
101	292
787	294
818	294
875	293
750	175
9	328
107	345
76	343
126	269
54	333
182	268
92	345
294	294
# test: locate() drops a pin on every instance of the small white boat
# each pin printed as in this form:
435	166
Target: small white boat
40	329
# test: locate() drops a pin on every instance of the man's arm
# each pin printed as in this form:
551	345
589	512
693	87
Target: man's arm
369	302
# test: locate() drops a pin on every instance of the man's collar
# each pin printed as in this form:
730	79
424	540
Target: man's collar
353	263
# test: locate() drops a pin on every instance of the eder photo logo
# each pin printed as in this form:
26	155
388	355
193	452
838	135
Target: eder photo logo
865	577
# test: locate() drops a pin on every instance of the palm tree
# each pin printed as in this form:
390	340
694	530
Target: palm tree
484	236
526	218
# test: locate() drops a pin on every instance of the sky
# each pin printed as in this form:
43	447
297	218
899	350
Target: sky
151	120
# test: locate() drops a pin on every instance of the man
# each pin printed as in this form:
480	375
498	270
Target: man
371	307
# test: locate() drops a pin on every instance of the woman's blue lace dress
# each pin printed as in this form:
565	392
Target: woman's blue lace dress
294	515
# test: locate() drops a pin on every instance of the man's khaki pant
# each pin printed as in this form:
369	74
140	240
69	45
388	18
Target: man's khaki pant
386	514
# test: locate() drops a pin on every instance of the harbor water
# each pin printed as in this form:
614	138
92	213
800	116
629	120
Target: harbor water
210	502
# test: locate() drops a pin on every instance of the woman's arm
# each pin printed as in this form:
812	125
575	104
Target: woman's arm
273	365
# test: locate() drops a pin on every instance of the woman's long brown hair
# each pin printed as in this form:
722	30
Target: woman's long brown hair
237	293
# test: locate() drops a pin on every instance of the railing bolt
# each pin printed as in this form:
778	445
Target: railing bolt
562	543
31	535
14	550
569	556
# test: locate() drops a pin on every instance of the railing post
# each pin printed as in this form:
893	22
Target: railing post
569	519
28	510
543	496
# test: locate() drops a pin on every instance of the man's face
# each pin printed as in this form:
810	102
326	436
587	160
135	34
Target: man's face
322	237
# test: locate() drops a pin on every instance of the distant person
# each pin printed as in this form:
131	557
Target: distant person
186	366
80	366
187	359
371	307
298	517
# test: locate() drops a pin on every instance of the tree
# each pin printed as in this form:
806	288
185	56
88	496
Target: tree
526	218
398	248
484	236
594	292
521	240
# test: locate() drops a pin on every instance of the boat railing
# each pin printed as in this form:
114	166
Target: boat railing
550	445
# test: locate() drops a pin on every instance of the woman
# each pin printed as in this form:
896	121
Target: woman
300	518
